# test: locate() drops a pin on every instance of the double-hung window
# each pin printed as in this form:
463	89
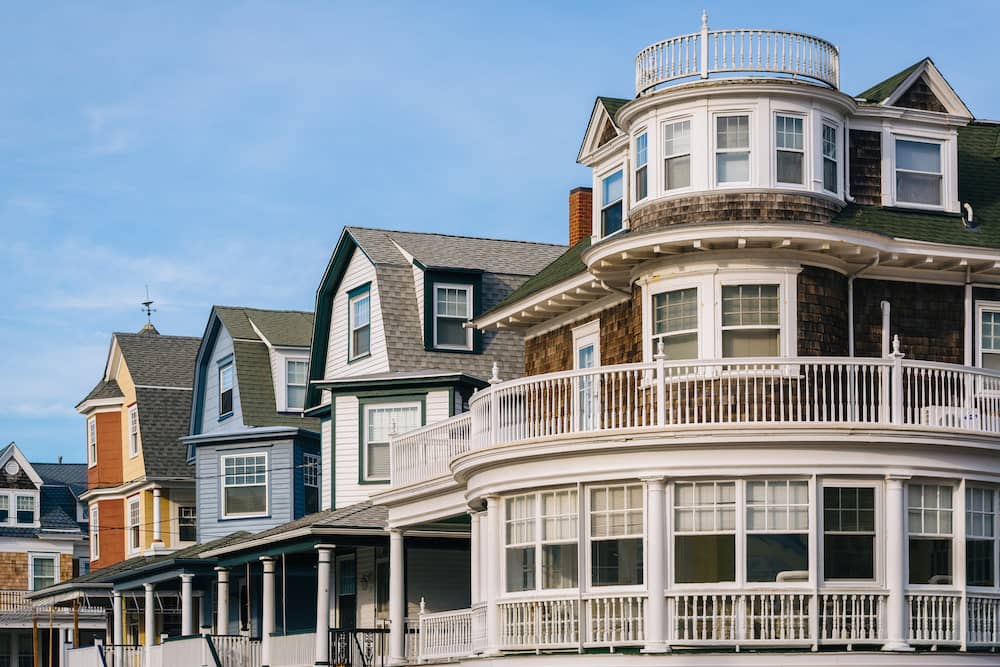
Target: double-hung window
452	309
675	322
134	526
26	509
4	509
559	539
296	374
790	150
929	521
92	440
677	155
43	570
244	485
133	431
381	421
777	531
310	482
540	535
611	203
616	535
226	389
831	176
918	172
751	321
704	532
359	314
641	176
187	523
732	149
989	338
849	533
519	556
980	536
95	534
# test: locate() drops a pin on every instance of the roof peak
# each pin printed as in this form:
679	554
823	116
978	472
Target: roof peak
263	310
453	236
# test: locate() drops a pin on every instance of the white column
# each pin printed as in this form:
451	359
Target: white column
267	615
959	579
323	552
156	517
222	602
397	598
491	567
117	627
474	594
150	629
895	565
656	601
187	605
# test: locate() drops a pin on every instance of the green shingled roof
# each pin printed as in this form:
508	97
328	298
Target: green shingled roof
883	89
612	105
565	266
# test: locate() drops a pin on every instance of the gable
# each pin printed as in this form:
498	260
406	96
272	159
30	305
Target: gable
607	134
602	128
920	86
920	96
24	476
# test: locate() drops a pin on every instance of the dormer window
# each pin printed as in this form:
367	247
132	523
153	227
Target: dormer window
789	149
830	178
918	172
677	155
296	375
26	509
4	509
226	390
359	314
732	149
641	180
452	308
133	431
611	203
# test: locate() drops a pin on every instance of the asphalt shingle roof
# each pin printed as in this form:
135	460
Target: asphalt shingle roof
159	361
163	419
565	266
360	515
257	402
282	328
104	389
883	89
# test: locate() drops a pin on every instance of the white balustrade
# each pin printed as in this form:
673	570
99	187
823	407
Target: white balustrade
851	618
479	627
538	624
948	396
615	620
237	650
934	618
294	649
427	453
983	620
13	600
709	52
773	617
411	642
446	634
122	656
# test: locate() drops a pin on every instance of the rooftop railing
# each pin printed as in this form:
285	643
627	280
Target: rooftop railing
709	52
815	391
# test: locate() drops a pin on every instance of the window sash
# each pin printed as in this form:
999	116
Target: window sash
612	197
134	533
929	510
789	148
95	539
359	314
133	430
310	470
732	149
909	168
831	177
402	417
296	381
452	304
225	389
187	524
777	506
43	571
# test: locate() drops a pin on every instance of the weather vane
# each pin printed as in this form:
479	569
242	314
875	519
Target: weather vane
147	307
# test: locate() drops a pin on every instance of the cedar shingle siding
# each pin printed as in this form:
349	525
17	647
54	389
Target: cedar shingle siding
734	207
919	96
822	313
866	167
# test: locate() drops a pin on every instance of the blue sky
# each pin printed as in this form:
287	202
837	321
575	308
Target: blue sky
214	150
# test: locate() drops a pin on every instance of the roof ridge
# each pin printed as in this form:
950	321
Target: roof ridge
455	236
158	337
265	310
895	80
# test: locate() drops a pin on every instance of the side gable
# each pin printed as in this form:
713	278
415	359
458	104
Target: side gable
602	127
24	477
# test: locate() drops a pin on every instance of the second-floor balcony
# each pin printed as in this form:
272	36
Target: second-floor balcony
828	392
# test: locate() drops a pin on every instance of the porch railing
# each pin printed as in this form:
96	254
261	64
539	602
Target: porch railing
934	618
446	634
367	647
984	620
13	600
822	391
127	655
236	650
296	649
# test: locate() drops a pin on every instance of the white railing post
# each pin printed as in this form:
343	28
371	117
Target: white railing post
661	385
896	393
494	405
704	45
421	632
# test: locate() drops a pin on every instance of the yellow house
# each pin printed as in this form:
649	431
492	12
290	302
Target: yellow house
140	487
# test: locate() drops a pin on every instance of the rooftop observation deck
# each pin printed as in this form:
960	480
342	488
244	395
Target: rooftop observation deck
828	392
749	51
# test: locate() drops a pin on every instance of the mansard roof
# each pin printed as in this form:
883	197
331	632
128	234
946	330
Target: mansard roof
281	328
163	421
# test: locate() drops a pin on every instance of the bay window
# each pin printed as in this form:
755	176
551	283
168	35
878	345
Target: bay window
918	172
641	178
732	149
379	422
559	539
677	155
704	532
675	322
831	176
777	531
359	324
616	535
540	541
611	203
751	322
244	485
849	533
980	537
452	309
789	149
929	523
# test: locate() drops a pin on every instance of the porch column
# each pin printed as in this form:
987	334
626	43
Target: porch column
156	517
323	551
150	630
118	628
267	613
222	613
895	565
187	605
474	595
491	566
397	598
656	602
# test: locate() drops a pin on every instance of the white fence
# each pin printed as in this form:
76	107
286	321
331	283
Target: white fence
298	649
236	650
123	656
710	52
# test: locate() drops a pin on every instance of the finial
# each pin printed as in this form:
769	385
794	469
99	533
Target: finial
659	350
495	379
422	606
895	347
704	19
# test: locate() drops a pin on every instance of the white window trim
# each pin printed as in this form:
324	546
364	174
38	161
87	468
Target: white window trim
942	193
949	166
982	307
223	486
129	503
351	354
584	335
364	434
35	500
806	183
681	284
468	305
538	543
662	186
826	121
133	423
879	565
222	368
598	206
585	540
636	166
91	441
957	509
95	534
39	555
285	383
715	150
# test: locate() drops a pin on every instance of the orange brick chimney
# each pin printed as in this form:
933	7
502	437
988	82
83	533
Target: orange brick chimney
581	215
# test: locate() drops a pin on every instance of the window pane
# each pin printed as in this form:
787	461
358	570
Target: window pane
704	559
520	569
777	557
361	311
677	138
733	132
830	175
789	167
246	499
918	156
741	343
991	330
732	167
378	460
678	172
616	562
361	341
918	188
297	372
930	561
749	305
640	183
559	565
788	132
640	150
979	562
296	397
848	556
612	188
682	346
384	421
675	311
451	332
611	219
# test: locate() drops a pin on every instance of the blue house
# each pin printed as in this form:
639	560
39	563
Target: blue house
257	458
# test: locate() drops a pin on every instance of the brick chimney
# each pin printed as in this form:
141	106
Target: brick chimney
581	214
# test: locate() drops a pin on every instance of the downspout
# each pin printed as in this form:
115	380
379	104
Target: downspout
968	316
886	340
847	163
850	304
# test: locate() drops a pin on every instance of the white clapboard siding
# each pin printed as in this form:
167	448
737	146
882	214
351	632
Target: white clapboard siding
326	462
359	271
346	486
210	397
438	406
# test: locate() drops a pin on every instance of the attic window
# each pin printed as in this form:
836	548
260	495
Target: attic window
226	390
92	440
611	203
25	509
918	172
452	309
296	374
133	431
359	314
4	509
